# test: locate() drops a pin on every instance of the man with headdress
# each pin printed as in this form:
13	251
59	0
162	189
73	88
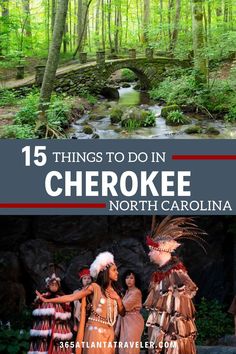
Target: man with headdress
51	321
171	325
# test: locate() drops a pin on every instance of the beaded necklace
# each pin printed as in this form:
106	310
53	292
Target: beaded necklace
111	317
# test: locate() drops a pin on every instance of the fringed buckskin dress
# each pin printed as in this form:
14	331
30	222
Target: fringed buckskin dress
171	323
99	330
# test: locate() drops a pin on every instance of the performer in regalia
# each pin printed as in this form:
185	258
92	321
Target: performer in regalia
84	280
51	321
129	328
106	304
171	324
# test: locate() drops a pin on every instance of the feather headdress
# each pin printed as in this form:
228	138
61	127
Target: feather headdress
53	277
164	236
53	270
101	262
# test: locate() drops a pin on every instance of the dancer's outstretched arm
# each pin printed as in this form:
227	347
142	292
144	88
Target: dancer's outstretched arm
67	298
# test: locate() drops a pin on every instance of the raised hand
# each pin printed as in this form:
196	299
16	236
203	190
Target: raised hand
40	296
112	294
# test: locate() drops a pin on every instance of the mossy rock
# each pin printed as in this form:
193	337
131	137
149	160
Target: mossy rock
126	85
212	131
176	118
166	109
87	129
118	130
116	115
135	115
95	136
194	129
96	116
137	87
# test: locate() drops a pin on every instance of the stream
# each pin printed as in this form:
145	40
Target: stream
129	97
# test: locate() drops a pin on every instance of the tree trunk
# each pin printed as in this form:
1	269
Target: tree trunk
53	14
75	27
146	20
70	26
47	21
219	13
126	22
226	11
175	33
209	20
205	26
161	19
65	39
103	25
80	19
170	9
53	55
80	42
109	24
117	27
138	20
97	27
4	44
26	8
231	15
120	27
198	41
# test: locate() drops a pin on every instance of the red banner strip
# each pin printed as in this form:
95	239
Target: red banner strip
203	157
53	205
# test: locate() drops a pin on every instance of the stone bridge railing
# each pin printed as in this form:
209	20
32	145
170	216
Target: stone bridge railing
93	76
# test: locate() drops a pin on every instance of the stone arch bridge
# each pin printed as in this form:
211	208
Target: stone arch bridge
92	77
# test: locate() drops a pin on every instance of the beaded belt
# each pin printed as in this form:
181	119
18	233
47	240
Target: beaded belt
96	319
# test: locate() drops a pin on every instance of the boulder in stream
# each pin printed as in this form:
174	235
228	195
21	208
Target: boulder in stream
137	86
87	129
96	116
175	118
194	129
212	131
126	85
116	114
95	136
170	108
136	117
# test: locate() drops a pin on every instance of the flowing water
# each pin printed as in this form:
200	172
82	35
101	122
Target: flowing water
129	98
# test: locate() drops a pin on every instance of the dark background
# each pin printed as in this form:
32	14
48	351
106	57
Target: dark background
30	243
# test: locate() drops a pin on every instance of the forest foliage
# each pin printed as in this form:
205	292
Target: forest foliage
203	31
26	26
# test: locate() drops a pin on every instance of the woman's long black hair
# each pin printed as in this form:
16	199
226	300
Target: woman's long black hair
136	277
103	280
